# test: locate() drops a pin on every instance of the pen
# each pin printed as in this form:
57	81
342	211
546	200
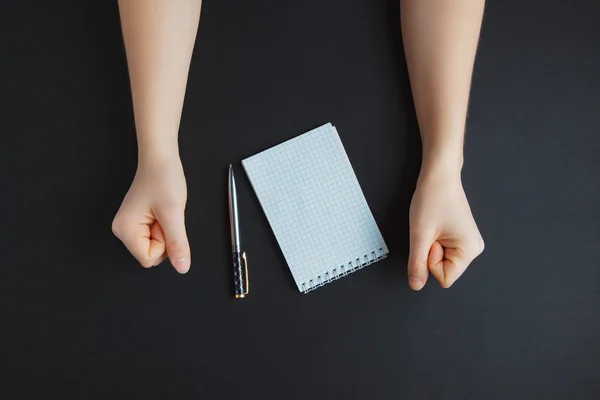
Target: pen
240	277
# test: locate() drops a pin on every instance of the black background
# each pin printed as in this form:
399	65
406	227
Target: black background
80	319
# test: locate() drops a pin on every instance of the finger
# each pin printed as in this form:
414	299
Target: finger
137	238
436	254
158	245
451	267
172	222
420	244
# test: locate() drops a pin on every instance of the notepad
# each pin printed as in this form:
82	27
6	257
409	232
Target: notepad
316	208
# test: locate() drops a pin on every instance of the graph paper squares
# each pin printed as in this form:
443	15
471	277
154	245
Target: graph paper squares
316	208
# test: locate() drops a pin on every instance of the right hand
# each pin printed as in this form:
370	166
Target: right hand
150	221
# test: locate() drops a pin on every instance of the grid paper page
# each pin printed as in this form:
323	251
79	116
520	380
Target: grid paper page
316	208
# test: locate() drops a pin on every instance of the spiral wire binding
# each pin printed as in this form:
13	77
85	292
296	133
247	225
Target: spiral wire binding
343	270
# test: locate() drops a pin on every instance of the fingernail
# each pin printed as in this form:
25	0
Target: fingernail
181	264
415	283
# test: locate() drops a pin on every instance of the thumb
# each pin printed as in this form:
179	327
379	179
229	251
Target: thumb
420	244
172	222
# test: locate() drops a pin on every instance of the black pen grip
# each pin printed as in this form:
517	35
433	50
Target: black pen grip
239	278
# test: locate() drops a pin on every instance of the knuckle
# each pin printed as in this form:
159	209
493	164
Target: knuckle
146	262
474	249
481	245
116	226
446	283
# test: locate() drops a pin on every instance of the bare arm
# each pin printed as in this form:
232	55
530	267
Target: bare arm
440	42
159	38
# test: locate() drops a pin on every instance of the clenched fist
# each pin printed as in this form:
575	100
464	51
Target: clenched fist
150	221
444	237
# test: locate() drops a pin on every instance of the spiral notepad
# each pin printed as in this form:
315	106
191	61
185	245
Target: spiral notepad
316	208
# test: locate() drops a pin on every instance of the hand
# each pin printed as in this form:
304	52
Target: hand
150	221
444	238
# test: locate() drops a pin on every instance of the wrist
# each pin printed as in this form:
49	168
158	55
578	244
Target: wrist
153	157
441	163
157	149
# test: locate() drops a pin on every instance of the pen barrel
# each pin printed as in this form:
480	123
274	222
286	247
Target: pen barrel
239	276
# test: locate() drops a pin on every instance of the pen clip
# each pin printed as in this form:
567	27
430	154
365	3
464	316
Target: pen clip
246	273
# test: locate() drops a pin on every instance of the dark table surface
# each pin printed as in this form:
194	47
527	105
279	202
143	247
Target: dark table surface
80	319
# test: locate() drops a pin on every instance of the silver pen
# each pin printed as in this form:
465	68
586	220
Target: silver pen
240	276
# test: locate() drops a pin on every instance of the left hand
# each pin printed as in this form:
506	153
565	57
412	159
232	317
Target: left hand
444	237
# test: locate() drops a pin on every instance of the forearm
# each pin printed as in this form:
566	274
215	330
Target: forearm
159	37
440	40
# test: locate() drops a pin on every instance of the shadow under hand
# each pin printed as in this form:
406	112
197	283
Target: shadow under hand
109	157
396	224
